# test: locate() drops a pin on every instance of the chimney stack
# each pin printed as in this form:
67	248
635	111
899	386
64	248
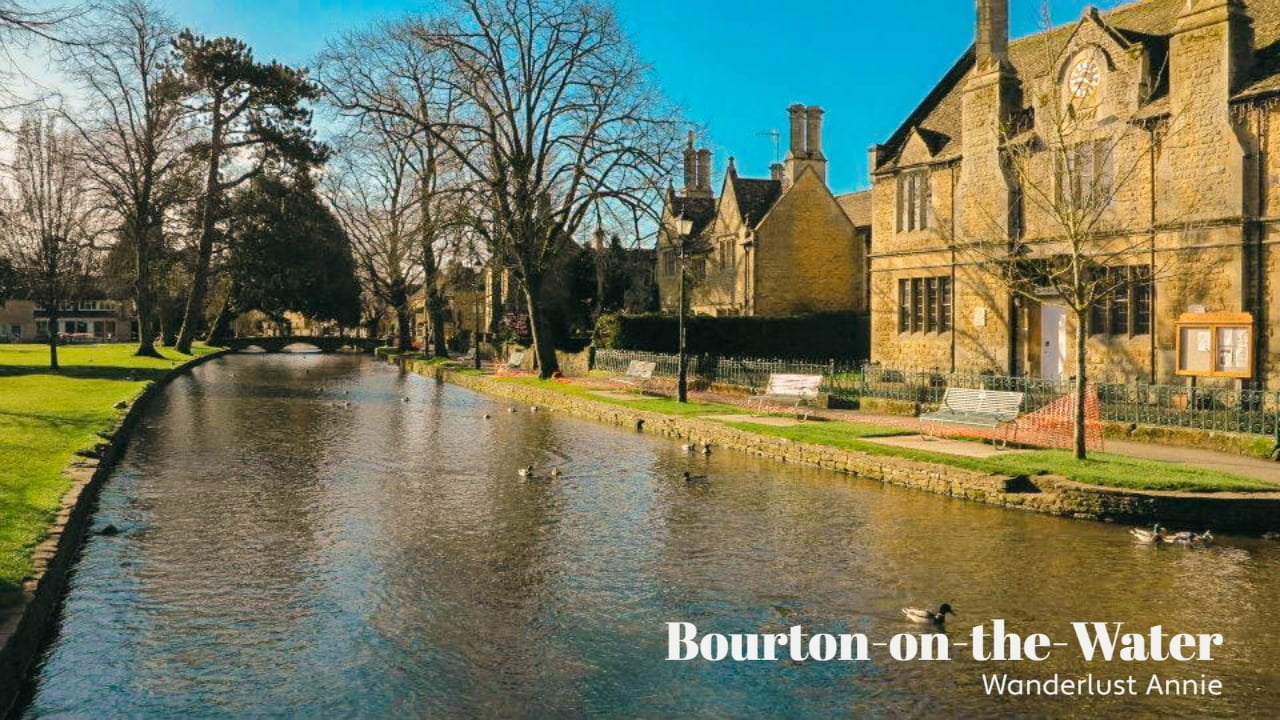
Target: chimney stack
690	166
813	133
992	40
797	130
704	170
776	172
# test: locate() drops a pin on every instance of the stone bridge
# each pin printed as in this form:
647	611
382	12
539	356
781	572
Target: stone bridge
327	344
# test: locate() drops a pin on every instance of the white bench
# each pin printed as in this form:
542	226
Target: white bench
639	374
789	391
988	409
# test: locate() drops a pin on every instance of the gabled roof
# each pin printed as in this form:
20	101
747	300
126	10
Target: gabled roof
857	205
1150	22
755	197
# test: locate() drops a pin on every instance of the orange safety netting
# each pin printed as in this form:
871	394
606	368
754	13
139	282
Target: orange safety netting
1050	426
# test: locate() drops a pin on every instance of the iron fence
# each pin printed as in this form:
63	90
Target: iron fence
1255	412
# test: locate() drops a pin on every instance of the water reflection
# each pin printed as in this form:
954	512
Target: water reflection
301	541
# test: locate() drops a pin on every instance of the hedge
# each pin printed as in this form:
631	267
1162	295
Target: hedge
819	337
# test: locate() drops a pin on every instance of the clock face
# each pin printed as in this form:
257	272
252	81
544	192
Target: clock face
1084	78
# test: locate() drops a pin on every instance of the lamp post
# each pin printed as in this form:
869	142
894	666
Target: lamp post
682	373
475	339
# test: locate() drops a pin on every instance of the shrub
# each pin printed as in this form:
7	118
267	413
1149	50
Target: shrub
818	337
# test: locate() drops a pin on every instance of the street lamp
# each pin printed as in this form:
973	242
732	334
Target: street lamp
685	228
479	300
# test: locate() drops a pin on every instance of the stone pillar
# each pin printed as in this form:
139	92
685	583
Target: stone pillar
992	37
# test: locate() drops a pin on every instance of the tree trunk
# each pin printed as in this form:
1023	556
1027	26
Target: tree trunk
143	295
1081	389
435	317
544	347
221	328
403	337
194	312
53	343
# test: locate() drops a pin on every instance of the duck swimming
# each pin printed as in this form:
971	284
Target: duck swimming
928	617
1154	536
690	478
526	472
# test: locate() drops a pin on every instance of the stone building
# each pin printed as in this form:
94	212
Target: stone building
89	320
769	247
1183	96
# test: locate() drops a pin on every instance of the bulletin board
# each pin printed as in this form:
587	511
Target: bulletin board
1215	345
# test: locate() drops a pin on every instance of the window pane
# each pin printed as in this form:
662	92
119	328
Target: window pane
904	306
1120	302
1142	301
917	305
944	309
931	305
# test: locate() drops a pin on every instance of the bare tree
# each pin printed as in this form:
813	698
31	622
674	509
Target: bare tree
48	225
373	192
552	115
20	24
133	134
386	82
1063	236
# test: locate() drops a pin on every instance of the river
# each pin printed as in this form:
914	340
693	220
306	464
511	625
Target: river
298	540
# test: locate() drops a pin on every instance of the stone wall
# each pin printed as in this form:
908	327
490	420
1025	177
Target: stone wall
1224	512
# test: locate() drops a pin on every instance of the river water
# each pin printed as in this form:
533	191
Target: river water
300	541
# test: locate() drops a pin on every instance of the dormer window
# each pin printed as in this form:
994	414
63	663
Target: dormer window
913	201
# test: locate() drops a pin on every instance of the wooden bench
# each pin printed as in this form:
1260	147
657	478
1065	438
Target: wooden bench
976	408
639	374
789	391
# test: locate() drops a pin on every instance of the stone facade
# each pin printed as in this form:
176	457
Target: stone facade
776	247
1180	95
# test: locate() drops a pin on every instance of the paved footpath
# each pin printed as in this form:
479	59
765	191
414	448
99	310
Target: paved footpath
1241	465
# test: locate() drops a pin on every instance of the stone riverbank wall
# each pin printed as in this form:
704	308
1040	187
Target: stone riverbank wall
1242	513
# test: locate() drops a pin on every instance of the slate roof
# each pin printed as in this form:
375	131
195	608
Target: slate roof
755	197
857	206
1147	21
701	210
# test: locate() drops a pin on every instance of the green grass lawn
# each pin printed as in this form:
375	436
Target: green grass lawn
666	406
45	417
1101	468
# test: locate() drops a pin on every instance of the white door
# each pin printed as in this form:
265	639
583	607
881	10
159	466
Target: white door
1053	343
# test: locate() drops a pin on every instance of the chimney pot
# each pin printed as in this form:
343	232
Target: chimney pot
797	112
813	135
992	41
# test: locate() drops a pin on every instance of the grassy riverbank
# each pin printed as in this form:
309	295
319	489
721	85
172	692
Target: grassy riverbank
1102	469
45	417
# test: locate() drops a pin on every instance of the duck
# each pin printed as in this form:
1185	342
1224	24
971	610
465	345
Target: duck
404	399
706	449
1190	538
526	472
688	448
487	416
929	617
690	478
1154	536
533	408
511	409
556	472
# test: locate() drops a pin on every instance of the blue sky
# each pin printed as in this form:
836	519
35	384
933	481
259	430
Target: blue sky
734	66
